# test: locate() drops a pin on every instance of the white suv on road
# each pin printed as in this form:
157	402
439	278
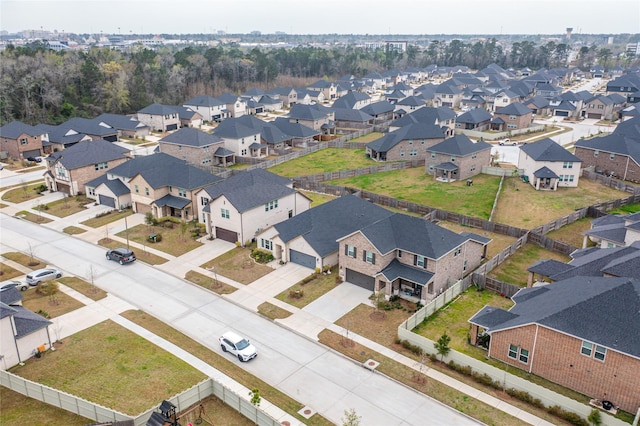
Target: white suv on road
239	346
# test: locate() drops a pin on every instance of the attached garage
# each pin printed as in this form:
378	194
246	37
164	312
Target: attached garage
561	113
361	280
226	235
63	187
302	259
106	201
111	138
171	127
31	153
594	115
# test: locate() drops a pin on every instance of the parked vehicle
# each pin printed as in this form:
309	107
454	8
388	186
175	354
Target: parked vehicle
14	283
34	159
121	255
239	346
36	277
508	142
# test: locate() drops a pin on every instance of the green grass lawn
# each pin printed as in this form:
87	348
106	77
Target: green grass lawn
174	242
22	193
106	218
33	217
514	269
303	293
67	206
238	265
317	198
416	186
325	160
110	365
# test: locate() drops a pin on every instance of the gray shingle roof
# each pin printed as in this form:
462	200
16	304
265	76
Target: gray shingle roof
203	101
349	114
377	108
411	234
459	145
16	128
415	131
249	189
515	108
61	135
322	226
427	115
548	150
545	172
294	129
600	310
306	112
234	128
158	109
89	126
190	136
121	122
395	270
475	116
86	153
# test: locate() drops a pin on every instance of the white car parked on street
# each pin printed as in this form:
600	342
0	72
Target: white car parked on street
239	346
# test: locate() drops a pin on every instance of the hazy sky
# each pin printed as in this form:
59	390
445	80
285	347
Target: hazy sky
323	16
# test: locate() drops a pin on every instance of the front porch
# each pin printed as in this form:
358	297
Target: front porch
173	206
406	282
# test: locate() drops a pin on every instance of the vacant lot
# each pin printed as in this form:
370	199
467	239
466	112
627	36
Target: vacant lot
514	269
325	160
522	206
238	265
114	367
416	186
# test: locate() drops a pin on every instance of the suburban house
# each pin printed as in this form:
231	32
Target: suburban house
348	118
57	138
188	117
288	95
515	116
614	231
160	184
447	95
211	109
617	154
93	127
502	99
20	140
410	142
440	116
327	88
301	135
22	333
242	140
581	332
234	104
408	256
457	158
478	119
382	112
546	165
409	104
160	118
315	117
310	238
352	100
127	126
196	147
241	206
68	171
599	107
538	105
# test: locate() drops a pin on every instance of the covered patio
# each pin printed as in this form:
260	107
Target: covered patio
446	172
170	205
405	281
545	179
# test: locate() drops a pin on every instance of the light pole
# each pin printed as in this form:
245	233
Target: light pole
126	231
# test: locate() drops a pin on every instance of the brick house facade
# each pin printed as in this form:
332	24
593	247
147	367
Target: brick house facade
409	142
467	156
515	116
20	140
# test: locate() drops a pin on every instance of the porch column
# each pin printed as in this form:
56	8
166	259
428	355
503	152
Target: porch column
584	241
530	279
474	335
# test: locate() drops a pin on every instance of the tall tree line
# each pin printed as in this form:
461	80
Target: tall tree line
38	85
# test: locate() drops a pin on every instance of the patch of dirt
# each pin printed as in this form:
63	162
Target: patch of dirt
377	316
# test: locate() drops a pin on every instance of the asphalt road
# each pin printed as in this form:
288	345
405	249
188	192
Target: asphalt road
323	380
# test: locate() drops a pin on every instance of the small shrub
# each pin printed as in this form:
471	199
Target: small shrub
102	214
394	298
525	397
262	256
40	188
296	294
409	346
43	313
569	416
485	379
338	279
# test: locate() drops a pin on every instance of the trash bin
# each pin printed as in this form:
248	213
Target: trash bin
152	237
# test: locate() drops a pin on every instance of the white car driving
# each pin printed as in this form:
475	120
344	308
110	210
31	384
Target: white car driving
239	346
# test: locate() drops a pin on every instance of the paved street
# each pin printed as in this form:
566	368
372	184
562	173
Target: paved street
327	382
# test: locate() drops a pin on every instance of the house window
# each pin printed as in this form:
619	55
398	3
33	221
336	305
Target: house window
100	166
224	213
418	261
512	117
146	190
204	201
600	106
473	156
243	152
511	126
137	189
453	159
179	147
600	353
513	351
266	244
369	257
612	156
464	267
433	155
430	167
350	250
401	153
524	355
411	142
595	153
206	160
586	348
23	141
271	205
91	191
399	253
182	192
290	214
413	153
570	178
567	165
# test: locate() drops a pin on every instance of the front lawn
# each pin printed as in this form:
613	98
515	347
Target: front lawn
522	206
514	269
306	291
32	217
49	306
416	186
23	193
73	230
107	217
67	206
7	272
110	365
237	264
176	240
83	287
31	262
209	283
325	160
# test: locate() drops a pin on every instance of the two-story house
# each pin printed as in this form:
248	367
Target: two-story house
241	206
515	116
242	140
354	100
410	142
20	140
579	332
447	95
196	147
235	105
457	158
599	107
160	118
408	256
547	165
315	117
210	108
69	170
327	88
